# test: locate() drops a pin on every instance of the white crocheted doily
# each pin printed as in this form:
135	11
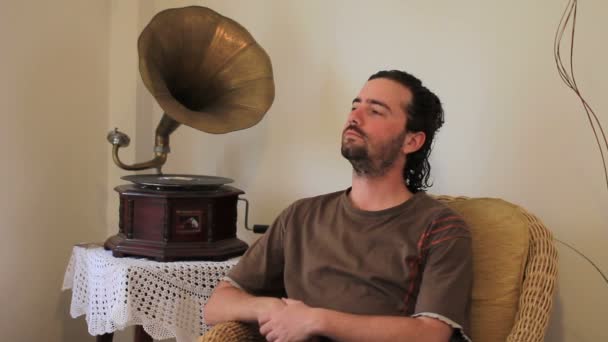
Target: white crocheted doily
166	298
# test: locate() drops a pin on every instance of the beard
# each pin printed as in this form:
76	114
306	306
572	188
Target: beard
366	163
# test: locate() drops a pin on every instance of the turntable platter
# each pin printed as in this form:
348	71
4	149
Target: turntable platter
177	181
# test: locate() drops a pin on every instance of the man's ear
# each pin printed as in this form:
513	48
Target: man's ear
413	142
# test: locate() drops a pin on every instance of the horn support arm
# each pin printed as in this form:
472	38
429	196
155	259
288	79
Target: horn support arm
165	127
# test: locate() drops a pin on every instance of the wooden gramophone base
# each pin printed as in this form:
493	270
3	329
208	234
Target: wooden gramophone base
171	225
220	250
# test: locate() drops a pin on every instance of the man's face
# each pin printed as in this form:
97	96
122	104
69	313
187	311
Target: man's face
374	134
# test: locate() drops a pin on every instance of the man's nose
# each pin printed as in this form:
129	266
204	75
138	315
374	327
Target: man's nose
355	116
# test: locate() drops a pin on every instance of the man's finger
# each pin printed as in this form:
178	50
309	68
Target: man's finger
263	319
265	329
271	337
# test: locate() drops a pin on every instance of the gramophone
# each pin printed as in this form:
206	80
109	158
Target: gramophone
207	72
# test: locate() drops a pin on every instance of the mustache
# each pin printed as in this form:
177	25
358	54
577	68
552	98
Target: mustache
356	129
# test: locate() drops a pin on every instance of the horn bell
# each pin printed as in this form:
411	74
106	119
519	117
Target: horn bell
205	70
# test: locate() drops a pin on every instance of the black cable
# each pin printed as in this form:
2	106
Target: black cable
570	14
586	258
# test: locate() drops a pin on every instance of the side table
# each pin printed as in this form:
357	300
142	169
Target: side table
164	299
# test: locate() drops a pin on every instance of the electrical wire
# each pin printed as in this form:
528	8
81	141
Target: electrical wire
569	16
586	258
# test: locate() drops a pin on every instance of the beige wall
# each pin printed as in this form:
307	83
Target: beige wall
69	74
54	109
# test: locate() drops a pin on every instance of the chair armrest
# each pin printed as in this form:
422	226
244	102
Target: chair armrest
232	332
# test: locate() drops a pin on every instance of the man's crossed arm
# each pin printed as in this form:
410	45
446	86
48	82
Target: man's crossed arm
289	320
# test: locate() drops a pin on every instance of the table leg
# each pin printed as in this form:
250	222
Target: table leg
104	337
141	335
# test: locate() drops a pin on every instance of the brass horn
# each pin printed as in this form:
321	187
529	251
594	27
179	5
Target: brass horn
205	71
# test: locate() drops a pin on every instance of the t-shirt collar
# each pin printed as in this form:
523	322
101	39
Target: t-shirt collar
348	206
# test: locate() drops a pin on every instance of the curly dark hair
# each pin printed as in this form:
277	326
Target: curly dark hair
424	114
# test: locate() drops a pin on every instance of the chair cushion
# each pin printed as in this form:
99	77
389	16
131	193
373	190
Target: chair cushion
500	236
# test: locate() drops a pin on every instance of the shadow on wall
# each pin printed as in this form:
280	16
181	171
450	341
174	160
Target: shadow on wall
261	159
71	329
555	329
146	117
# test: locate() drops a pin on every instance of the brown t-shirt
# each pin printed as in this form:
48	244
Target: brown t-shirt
410	260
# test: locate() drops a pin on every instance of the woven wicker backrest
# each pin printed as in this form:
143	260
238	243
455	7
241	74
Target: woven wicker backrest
515	268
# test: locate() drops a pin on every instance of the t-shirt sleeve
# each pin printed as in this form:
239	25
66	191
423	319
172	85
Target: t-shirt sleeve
260	269
447	277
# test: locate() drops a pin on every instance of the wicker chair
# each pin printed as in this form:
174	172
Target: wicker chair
515	270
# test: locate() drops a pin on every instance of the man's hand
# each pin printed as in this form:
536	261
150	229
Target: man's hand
268	306
228	303
294	322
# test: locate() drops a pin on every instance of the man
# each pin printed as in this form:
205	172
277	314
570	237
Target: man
381	261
